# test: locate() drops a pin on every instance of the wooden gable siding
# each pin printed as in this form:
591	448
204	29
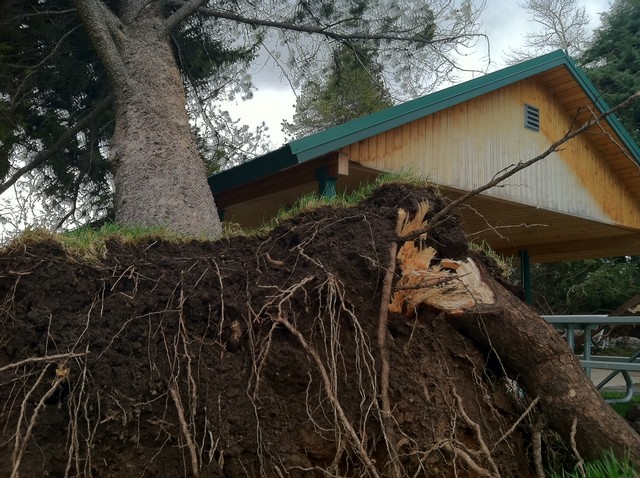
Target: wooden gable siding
466	145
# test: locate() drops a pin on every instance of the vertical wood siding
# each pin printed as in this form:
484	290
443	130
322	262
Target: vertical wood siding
466	145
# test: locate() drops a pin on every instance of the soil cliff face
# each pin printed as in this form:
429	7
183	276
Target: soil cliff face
244	357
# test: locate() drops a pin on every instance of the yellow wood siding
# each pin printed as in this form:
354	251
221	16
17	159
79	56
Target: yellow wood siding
466	145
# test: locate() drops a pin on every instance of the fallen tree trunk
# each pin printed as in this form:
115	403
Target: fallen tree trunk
545	366
528	347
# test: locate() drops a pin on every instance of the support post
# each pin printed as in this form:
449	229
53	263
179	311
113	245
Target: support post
326	182
587	347
525	274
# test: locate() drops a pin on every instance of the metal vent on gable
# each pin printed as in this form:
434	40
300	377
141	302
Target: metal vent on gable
531	117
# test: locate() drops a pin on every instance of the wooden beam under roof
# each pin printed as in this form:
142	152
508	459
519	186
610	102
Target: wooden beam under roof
336	163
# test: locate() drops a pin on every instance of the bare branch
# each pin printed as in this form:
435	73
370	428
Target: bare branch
44	156
181	14
561	24
442	215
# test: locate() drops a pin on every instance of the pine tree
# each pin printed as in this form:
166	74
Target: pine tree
612	62
94	90
350	87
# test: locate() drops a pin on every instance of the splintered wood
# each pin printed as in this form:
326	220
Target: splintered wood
445	284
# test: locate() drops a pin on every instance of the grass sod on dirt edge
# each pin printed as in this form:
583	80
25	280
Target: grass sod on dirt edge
311	201
505	264
89	242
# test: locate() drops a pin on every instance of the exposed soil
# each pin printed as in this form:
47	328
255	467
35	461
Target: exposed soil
189	361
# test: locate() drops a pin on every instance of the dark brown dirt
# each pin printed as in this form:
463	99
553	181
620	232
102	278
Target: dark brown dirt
199	319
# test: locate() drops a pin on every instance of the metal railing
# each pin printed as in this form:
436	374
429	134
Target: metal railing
617	365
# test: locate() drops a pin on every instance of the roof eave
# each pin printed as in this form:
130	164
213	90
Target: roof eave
599	102
340	136
257	168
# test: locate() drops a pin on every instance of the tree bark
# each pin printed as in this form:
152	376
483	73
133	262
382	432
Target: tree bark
545	366
159	176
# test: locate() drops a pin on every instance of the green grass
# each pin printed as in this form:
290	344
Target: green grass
91	242
620	408
609	466
617	351
86	237
504	263
310	202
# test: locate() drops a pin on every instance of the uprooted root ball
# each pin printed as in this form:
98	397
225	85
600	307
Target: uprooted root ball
245	357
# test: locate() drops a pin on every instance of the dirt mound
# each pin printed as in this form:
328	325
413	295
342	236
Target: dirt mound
245	357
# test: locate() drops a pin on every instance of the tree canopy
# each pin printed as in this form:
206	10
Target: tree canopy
594	286
613	60
70	71
350	87
56	114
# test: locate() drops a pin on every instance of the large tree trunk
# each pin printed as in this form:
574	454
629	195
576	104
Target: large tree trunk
159	175
525	344
548	369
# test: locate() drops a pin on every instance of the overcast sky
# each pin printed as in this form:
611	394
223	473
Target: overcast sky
503	21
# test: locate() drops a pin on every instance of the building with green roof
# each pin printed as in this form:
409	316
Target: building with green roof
582	201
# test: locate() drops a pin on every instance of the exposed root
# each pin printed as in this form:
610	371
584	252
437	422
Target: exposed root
466	458
21	441
536	440
330	391
517	422
478	432
574	448
354	417
184	428
383	331
47	358
79	411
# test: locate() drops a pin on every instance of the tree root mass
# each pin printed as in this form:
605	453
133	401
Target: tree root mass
253	356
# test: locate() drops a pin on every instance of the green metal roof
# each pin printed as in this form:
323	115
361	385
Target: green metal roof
332	139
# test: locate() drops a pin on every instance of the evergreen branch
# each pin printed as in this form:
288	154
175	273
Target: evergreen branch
43	156
181	14
48	13
316	30
442	215
74	204
51	53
